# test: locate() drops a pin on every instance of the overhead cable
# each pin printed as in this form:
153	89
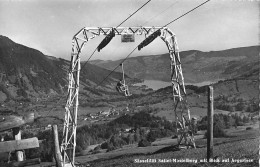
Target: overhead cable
153	17
150	35
117	27
186	13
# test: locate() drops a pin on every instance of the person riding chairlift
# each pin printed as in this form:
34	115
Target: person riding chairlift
120	87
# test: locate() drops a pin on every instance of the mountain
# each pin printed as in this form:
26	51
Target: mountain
98	61
28	73
197	66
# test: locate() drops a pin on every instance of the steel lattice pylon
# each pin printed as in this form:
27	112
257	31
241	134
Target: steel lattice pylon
182	113
180	104
68	144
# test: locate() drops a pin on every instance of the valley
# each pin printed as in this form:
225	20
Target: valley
111	127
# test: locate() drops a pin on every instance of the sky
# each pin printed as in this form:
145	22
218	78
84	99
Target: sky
49	25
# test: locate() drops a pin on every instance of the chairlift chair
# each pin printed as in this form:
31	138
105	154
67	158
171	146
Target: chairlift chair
121	86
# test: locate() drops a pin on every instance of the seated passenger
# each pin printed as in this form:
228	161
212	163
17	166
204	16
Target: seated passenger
120	87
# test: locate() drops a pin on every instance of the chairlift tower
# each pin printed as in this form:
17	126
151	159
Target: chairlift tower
182	113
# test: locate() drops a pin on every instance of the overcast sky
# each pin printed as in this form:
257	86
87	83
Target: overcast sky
49	25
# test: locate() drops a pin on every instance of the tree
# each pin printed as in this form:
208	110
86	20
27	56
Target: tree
130	138
238	120
240	106
230	122
248	109
245	119
152	135
137	137
144	143
117	141
218	130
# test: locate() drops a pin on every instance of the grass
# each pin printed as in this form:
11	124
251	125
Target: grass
242	149
241	144
236	150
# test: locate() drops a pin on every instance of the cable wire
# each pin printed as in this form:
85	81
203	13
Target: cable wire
186	13
116	27
117	66
153	17
137	45
89	58
133	13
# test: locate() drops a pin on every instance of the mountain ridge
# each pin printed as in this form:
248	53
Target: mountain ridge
197	66
26	73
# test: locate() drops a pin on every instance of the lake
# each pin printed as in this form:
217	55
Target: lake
155	84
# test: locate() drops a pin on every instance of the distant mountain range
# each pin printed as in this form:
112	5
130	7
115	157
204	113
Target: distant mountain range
27	73
197	66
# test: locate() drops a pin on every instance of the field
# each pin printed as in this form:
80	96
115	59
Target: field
241	145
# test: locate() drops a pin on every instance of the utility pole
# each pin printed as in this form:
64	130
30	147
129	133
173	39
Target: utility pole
210	123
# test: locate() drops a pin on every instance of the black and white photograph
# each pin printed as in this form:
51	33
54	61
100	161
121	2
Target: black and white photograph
129	83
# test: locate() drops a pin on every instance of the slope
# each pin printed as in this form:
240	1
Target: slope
26	73
197	66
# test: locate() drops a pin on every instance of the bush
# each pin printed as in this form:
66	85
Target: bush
144	143
240	123
151	137
104	145
245	119
240	106
110	147
96	151
218	130
97	148
174	137
217	133
117	141
202	126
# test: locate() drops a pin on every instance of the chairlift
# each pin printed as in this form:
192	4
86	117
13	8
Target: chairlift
121	85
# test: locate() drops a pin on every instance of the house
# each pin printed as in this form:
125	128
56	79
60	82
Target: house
93	116
127	129
105	113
